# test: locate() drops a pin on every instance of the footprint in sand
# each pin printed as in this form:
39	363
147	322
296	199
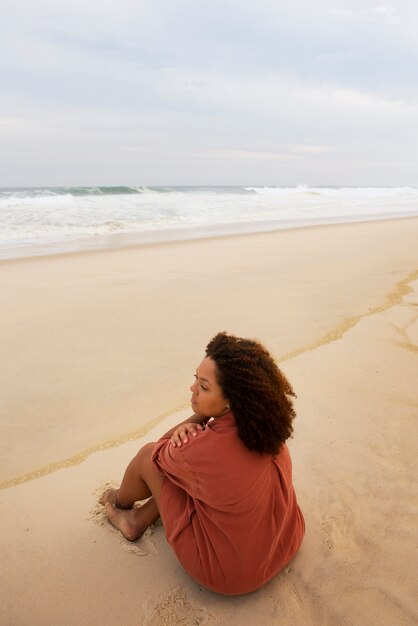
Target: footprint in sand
341	535
175	608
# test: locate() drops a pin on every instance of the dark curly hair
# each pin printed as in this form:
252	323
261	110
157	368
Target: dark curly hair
258	393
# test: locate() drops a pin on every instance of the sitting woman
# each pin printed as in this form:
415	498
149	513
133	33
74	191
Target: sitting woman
221	480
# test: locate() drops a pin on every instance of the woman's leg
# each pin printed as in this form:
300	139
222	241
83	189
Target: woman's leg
140	481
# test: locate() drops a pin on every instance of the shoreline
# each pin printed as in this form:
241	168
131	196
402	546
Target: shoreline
121	241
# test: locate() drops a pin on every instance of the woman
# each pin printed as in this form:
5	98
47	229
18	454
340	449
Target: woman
221	480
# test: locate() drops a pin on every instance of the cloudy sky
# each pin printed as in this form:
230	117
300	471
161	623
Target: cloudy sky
166	92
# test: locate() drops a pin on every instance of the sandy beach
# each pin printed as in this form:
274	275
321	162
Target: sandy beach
99	350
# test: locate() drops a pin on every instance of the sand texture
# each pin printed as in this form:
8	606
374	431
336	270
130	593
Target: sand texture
100	349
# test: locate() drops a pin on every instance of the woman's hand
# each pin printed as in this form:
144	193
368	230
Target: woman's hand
181	434
192	420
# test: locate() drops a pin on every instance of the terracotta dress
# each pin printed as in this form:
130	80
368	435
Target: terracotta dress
230	515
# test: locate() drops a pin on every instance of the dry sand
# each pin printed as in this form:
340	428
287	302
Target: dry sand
98	346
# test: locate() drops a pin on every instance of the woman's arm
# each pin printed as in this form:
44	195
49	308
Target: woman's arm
199	420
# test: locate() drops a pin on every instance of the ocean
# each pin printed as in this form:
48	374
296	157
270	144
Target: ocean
51	220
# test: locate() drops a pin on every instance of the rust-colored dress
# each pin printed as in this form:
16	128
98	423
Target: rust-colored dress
230	515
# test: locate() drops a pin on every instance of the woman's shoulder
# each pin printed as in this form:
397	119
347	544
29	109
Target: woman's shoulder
283	461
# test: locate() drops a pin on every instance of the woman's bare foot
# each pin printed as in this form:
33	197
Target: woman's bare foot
129	523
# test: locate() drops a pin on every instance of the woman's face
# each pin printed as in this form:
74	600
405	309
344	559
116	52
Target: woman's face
208	399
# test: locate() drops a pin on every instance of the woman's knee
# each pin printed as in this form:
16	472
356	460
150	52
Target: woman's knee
146	469
146	451
143	456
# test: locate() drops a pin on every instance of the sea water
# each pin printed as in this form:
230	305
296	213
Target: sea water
51	220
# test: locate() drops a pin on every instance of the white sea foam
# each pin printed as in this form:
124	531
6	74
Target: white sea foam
68	218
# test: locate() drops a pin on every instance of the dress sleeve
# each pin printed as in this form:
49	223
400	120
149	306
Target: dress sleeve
178	464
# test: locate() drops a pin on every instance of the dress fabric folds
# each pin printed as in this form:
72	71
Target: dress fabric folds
230	514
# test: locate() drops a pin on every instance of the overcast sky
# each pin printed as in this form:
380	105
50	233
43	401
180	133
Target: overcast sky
195	92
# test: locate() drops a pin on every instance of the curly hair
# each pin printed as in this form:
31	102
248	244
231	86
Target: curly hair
258	393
